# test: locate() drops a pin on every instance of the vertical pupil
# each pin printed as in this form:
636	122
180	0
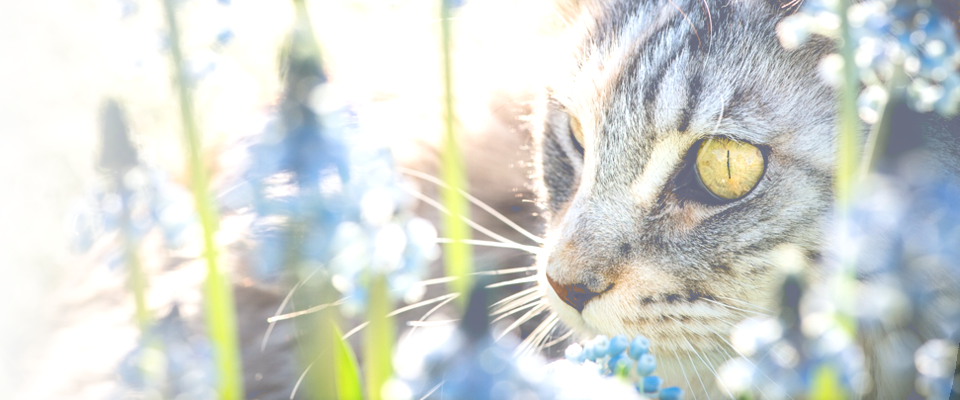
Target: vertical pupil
729	175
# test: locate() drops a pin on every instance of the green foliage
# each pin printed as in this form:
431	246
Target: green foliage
457	256
826	385
378	338
346	369
137	281
219	305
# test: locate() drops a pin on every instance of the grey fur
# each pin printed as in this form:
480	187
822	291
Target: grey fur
647	80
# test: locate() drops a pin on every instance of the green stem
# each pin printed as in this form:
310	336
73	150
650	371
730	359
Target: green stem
318	330
219	304
378	338
458	260
848	161
138	284
849	140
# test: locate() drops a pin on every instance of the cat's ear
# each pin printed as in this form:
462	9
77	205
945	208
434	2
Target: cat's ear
566	13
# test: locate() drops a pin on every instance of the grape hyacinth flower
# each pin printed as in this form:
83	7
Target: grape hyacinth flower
893	37
468	363
621	357
169	362
131	197
324	194
902	235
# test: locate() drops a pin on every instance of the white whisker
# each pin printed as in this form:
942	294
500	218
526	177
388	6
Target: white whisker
293	392
748	304
684	372
526	317
524	292
710	367
516	303
431	311
423	303
526	279
433	203
748	360
445	279
506	271
692	364
310	310
435	281
733	308
720	117
487	243
355	329
444	299
283	305
514	311
475	201
558	340
430	324
532	342
432	390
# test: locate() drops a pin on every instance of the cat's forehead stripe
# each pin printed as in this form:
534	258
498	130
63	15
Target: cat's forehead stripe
662	163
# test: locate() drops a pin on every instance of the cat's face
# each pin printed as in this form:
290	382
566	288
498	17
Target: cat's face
636	244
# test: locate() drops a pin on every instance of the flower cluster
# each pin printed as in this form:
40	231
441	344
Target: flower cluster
325	194
169	362
911	36
893	263
783	362
131	198
216	32
468	363
625	358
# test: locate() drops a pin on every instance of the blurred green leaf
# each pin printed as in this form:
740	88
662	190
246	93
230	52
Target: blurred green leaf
219	307
457	257
378	338
848	157
138	284
347	369
826	385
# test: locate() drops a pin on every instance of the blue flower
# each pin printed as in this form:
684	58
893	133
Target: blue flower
619	356
905	34
131	197
325	193
171	362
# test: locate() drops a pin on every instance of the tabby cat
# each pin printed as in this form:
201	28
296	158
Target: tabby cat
681	149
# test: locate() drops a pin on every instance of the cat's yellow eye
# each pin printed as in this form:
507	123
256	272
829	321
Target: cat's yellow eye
576	130
729	169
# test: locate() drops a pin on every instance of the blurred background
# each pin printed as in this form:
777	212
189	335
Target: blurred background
67	310
102	247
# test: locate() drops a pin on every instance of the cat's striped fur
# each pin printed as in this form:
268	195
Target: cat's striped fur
646	80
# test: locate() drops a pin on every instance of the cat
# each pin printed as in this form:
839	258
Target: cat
638	241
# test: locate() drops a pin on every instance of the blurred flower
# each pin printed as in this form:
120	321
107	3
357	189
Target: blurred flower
468	363
891	35
131	197
629	360
169	362
325	193
903	237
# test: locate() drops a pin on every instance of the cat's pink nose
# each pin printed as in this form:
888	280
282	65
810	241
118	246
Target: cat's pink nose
575	295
